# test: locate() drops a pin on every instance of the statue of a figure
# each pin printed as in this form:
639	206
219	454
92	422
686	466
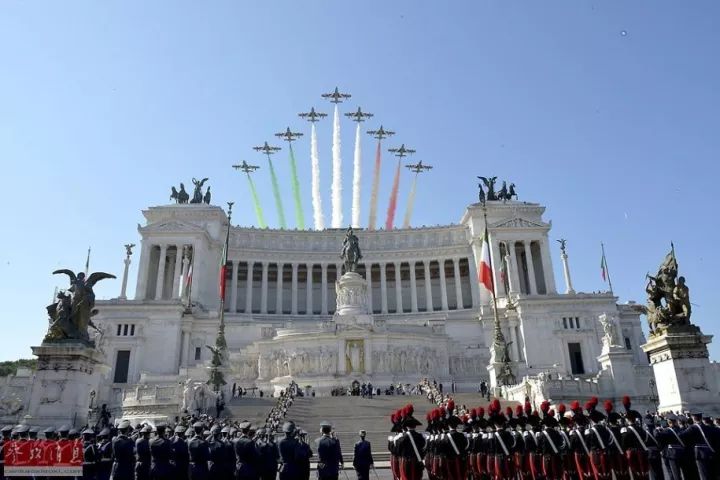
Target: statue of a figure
562	243
668	296
610	337
351	254
502	194
207	197
70	316
511	192
481	193
128	248
197	194
180	196
490	185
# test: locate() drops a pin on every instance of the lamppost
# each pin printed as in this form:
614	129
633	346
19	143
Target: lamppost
653	393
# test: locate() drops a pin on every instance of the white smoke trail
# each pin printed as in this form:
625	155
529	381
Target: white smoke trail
410	203
336	188
316	198
357	176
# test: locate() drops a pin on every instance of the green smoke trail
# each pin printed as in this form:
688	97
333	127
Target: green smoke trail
299	216
276	193
256	202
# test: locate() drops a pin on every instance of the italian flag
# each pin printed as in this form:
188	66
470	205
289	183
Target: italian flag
603	268
485	272
223	271
188	277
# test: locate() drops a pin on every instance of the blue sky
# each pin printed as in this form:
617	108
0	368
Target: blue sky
605	111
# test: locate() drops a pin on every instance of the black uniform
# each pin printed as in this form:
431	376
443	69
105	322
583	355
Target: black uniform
105	453
673	453
288	449
123	451
161	451
304	455
180	457
198	451
142	459
217	459
704	444
362	459
329	458
247	459
268	459
90	458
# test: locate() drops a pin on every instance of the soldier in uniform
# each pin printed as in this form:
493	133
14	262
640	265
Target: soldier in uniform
500	445
142	454
672	450
304	455
598	440
455	447
616	453
180	456
578	444
269	455
105	453
550	444
288	448
392	447
362	457
246	455
703	443
216	461
228	452
90	455
161	452
198	453
411	447
330	459
123	451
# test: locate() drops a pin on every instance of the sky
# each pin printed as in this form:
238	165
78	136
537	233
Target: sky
604	111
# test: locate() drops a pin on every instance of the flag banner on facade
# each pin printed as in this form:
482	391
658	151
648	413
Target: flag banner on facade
188	278
43	458
485	273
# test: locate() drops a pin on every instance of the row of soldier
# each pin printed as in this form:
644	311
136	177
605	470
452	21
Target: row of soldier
570	444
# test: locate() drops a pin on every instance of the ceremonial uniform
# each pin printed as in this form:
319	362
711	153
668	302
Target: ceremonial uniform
703	443
198	453
142	455
304	455
550	443
105	452
216	456
123	450
246	456
410	450
673	453
161	451
598	440
90	456
180	455
269	456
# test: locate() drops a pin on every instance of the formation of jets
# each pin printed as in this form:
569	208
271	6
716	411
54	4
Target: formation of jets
358	116
267	149
418	167
246	167
336	96
381	133
312	115
289	136
401	151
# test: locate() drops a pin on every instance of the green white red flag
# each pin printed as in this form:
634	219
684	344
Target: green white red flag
485	272
223	271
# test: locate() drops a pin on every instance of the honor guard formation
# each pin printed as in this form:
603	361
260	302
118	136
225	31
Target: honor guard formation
575	442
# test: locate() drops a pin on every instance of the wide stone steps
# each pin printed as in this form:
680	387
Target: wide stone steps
252	409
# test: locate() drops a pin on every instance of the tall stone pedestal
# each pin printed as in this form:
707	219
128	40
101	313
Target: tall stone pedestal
66	374
685	379
617	361
352	301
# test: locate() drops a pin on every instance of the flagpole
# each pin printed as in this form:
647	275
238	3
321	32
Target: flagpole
87	262
607	270
222	280
499	338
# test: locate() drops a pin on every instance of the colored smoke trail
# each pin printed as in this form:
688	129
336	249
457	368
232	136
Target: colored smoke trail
299	215
410	203
393	199
357	176
256	203
336	188
318	216
276	193
375	186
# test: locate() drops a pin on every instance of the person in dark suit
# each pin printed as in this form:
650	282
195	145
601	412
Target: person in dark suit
304	455
180	456
161	451
288	450
123	454
330	460
104	468
199	454
246	455
90	455
362	458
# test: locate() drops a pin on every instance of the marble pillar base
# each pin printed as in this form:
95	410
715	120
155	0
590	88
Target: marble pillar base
683	373
66	375
352	298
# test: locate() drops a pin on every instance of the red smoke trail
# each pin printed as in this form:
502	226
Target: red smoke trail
375	186
393	199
